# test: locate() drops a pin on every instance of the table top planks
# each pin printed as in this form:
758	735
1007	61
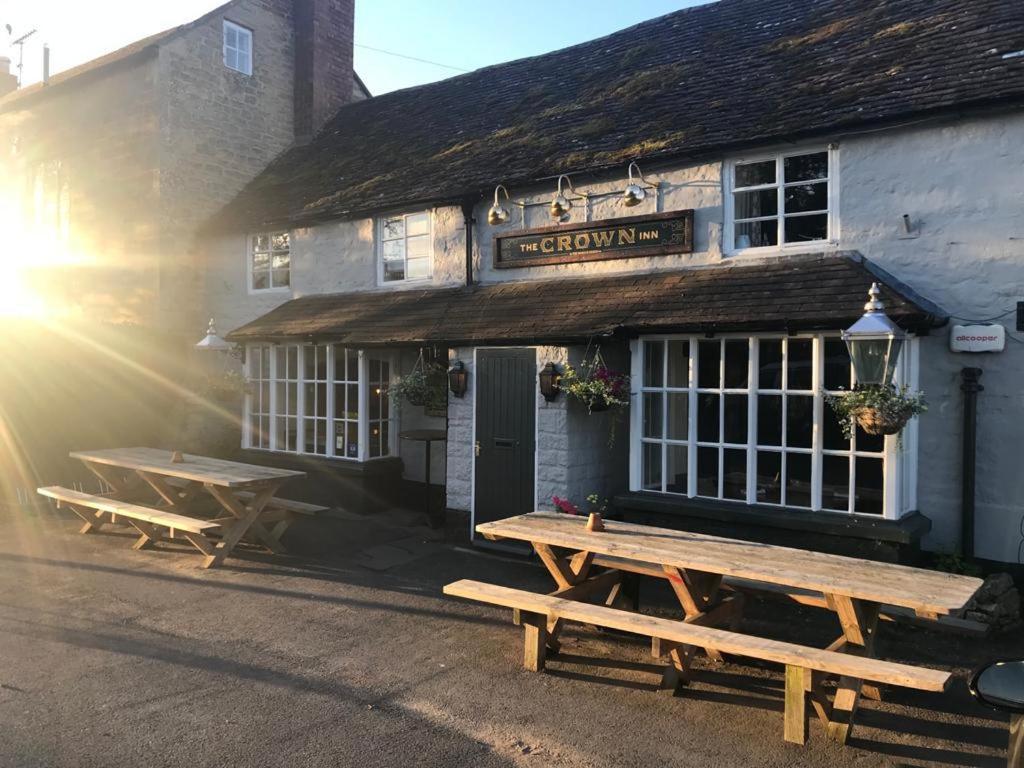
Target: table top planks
915	588
201	469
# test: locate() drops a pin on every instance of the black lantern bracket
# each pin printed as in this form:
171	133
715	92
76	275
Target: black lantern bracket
458	379
549	377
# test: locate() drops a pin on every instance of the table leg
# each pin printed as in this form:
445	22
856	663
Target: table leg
567	575
1015	754
696	593
246	519
859	620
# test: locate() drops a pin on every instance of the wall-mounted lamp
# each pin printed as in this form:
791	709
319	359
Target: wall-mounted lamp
561	204
549	378
497	214
634	193
458	379
874	342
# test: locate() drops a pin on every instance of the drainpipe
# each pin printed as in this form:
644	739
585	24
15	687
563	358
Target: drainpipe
467	217
970	386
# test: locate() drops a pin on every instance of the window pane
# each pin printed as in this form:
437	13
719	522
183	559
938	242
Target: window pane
230	36
393	228
394	270
653	363
837	365
833	438
678	415
280	241
769	419
752	205
769	364
293	362
679	364
281	260
260	260
677	469
417	269
707	472
835	482
869	486
309	404
735	419
707	418
798	480
260	280
757	234
869	443
803	167
806	197
769	477
652	467
353	366
417	247
281	278
352	401
737	354
709	364
752	174
352	439
802	229
734	474
417	224
799	421
321	400
652	414
800	364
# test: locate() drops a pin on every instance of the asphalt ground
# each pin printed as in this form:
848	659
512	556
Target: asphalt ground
112	657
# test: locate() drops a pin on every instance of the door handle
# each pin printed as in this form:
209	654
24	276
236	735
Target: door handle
476	448
504	442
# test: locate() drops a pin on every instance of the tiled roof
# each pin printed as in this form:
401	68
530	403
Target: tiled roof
796	293
729	74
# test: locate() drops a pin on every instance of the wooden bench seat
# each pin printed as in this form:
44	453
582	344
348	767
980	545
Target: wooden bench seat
146	520
805	667
289	505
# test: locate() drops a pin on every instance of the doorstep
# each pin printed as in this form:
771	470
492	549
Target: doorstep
854	535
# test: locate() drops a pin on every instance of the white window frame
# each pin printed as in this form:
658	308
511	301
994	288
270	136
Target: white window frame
271	443
250	271
899	487
238	52
729	188
379	248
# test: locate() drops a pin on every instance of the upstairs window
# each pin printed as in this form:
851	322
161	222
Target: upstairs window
237	48
404	247
270	261
780	201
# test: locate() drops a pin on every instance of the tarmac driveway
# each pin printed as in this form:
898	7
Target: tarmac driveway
112	657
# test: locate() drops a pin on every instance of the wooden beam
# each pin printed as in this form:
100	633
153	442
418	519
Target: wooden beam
844	708
535	631
1015	753
795	729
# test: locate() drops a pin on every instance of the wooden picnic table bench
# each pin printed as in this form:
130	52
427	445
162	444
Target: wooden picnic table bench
804	666
245	492
710	574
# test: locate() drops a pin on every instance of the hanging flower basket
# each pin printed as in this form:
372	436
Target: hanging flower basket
878	410
595	385
426	384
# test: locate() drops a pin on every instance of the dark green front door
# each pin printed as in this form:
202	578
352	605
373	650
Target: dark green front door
506	408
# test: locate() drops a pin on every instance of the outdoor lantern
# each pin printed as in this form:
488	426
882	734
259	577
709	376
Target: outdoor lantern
458	379
874	342
634	193
213	342
549	377
561	204
498	215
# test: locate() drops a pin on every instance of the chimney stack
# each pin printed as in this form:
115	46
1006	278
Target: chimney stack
324	76
8	82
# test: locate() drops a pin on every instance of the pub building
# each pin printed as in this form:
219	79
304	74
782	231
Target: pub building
701	202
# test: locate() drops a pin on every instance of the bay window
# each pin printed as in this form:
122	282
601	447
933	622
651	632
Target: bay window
744	419
318	399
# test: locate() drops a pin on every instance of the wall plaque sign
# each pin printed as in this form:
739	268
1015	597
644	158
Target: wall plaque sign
624	238
977	338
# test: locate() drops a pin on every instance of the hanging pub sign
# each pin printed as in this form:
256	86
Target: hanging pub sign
624	238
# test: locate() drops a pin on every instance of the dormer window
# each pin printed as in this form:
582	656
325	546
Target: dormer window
237	48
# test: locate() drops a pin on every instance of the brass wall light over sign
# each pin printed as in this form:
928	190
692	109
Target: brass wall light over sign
561	204
497	214
549	379
458	379
635	193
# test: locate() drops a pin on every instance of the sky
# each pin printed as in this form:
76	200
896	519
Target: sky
461	34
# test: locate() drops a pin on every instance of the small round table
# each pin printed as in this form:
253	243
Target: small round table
1000	685
426	436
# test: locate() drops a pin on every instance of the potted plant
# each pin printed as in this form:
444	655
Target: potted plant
596	508
880	409
426	384
595	385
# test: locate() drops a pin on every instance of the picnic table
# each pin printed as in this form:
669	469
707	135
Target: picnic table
710	575
245	494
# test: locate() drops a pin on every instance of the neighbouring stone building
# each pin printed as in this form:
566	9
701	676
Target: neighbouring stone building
789	154
108	168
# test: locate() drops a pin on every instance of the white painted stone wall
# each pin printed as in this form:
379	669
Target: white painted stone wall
960	184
